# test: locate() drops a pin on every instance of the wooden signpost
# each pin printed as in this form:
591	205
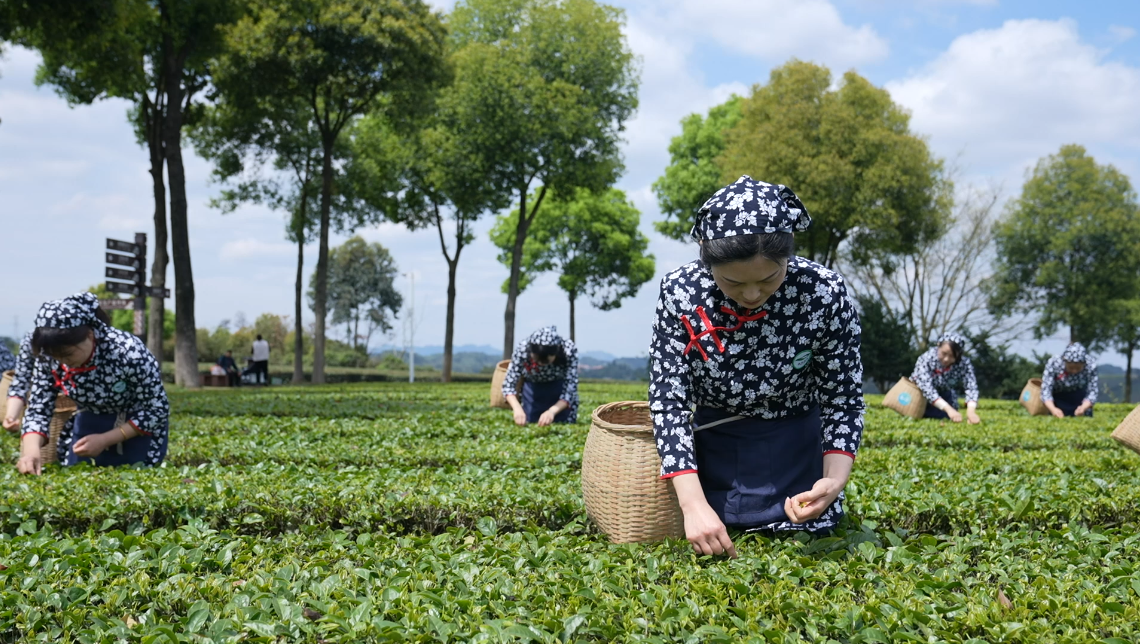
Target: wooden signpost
131	256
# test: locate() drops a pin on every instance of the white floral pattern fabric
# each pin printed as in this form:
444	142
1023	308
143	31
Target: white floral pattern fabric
1056	380
522	368
7	360
25	363
121	377
797	351
750	207
931	377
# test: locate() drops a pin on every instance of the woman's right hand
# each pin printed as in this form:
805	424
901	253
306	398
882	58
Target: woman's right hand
703	528
954	415
30	461
520	417
1057	413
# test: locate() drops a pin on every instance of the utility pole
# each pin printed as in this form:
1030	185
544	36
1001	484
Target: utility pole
412	330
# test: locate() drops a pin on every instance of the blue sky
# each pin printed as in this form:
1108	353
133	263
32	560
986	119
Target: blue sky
993	85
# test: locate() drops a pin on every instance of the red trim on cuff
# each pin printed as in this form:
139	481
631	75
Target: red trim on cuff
16	396
672	474
839	451
139	429
35	432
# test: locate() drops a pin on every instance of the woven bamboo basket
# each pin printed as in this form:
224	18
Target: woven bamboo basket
906	398
621	482
497	398
5	383
65	408
1031	398
1127	433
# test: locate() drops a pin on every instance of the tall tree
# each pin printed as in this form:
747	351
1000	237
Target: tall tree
110	49
543	89
344	58
1069	246
848	153
943	284
1126	336
592	241
693	175
361	288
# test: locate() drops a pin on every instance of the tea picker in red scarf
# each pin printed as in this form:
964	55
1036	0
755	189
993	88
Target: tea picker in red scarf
113	379
1069	384
547	364
941	373
756	384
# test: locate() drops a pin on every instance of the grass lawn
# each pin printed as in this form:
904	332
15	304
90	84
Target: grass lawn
385	512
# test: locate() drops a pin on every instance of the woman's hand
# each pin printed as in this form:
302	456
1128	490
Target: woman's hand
809	505
546	418
1057	413
954	415
30	461
1083	409
973	417
13	413
520	417
91	445
703	528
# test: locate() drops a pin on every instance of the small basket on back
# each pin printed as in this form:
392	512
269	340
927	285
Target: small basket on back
1127	433
621	484
65	408
5	383
497	398
1031	398
906	398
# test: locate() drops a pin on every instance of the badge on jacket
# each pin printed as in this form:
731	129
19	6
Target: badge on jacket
801	359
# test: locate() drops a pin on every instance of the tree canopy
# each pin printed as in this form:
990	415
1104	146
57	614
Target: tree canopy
361	288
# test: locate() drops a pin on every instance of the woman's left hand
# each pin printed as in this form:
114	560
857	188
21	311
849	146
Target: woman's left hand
546	418
972	417
90	445
809	505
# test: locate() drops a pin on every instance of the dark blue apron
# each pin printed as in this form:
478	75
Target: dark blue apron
950	396
537	397
749	466
1068	401
128	452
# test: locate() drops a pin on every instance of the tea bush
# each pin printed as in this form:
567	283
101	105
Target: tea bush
393	512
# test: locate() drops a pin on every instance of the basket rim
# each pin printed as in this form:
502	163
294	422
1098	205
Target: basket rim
616	427
502	364
1034	381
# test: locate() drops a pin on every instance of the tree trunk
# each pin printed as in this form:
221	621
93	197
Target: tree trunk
513	287
298	328
449	323
185	334
573	296
157	313
322	290
1128	375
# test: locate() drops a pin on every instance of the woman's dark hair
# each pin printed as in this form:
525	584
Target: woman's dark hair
955	349
777	247
101	315
51	341
544	351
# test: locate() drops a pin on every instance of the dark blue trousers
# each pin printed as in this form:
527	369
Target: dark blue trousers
950	396
1068	401
537	397
749	466
126	453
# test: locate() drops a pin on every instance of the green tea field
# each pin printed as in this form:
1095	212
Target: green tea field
414	513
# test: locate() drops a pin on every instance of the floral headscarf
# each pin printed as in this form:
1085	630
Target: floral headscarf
750	207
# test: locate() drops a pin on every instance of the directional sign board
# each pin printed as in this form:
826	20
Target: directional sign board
119	287
123	260
120	274
116	303
125	247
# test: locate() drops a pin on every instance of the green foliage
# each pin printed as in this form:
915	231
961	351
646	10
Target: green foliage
1000	374
414	512
1068	245
391	361
592	241
886	347
693	175
361	287
849	154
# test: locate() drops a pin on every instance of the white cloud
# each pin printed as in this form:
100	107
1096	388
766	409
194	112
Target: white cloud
1008	96
253	248
1121	33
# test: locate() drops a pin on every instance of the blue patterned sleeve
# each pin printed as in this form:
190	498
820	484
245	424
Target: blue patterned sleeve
971	381
839	378
669	382
570	386
515	370
152	415
1052	369
7	360
41	403
25	363
922	377
1094	381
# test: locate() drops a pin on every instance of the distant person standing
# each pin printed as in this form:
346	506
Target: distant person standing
1069	384
260	360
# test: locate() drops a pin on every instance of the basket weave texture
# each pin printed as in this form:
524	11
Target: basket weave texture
1031	398
625	496
497	398
1127	433
906	398
5	383
65	408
